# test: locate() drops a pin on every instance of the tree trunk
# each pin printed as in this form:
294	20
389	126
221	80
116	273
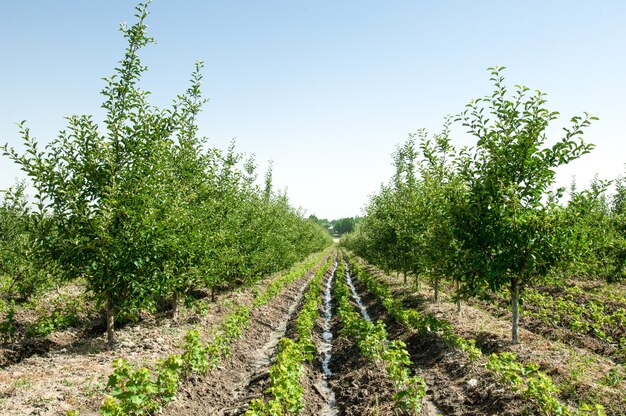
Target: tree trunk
515	310
175	302
437	290
404	274
417	282
9	290
212	293
110	323
458	299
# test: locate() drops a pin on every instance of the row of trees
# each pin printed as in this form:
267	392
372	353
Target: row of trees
142	209
487	217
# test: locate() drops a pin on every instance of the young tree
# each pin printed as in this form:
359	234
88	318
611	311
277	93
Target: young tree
437	186
109	191
23	271
505	220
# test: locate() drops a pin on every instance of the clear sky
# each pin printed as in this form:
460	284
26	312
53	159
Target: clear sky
325	89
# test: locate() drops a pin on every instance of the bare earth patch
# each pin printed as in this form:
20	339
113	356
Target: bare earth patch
73	374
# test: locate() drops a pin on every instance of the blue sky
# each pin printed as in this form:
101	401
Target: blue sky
325	89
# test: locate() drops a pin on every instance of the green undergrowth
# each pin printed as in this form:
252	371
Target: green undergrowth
575	309
535	386
371	338
62	312
141	390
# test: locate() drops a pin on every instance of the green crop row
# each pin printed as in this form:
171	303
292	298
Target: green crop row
141	391
591	317
411	317
372	342
286	391
534	385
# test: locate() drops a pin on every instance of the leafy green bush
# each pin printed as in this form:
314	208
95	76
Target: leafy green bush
8	326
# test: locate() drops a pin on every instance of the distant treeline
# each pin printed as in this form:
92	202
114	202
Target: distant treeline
337	227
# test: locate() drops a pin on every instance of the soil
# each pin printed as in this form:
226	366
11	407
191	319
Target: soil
579	372
69	369
72	371
555	332
361	387
455	386
228	389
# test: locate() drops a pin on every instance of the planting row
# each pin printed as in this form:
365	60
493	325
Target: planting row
371	339
285	396
534	385
141	390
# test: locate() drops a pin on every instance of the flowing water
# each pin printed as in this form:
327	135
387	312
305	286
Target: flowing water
327	340
356	296
429	406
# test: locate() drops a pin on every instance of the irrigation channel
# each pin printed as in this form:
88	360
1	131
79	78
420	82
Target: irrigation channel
356	296
429	407
327	344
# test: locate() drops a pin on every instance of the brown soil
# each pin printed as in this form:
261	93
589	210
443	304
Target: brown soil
73	371
22	346
228	389
552	331
578	372
361	387
455	386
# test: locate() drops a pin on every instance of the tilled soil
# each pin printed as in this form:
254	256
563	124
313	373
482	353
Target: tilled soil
454	385
577	371
228	389
555	332
361	388
73	374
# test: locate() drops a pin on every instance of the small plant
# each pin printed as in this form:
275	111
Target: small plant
410	390
169	377
195	355
285	388
613	377
131	391
8	326
588	409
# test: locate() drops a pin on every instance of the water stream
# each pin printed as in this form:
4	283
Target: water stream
326	348
356	296
429	406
